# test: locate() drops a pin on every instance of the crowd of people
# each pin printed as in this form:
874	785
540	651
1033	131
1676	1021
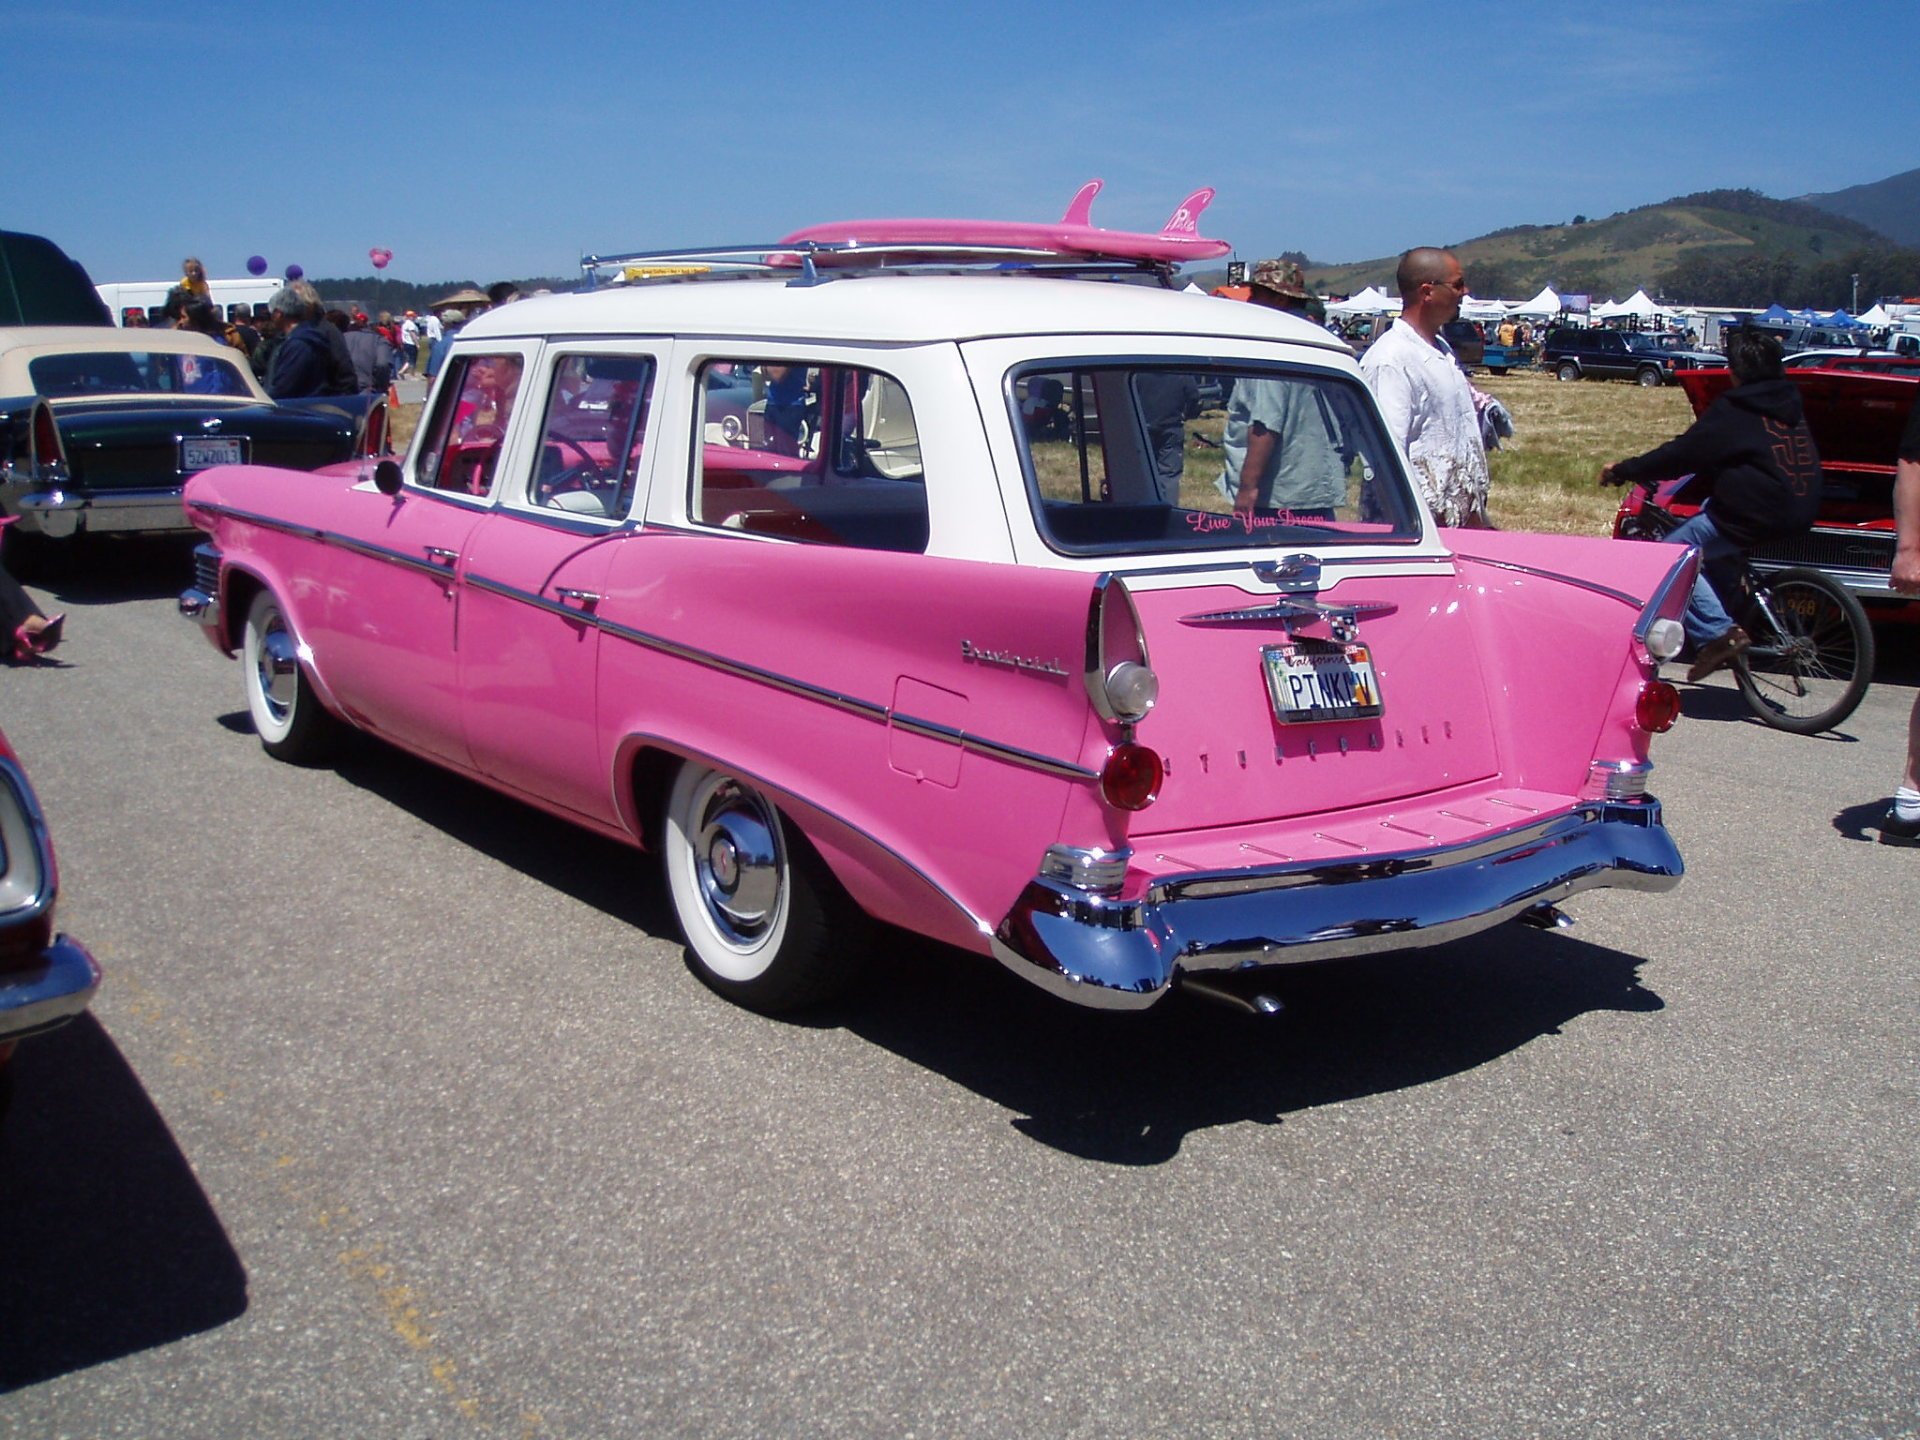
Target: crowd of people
299	347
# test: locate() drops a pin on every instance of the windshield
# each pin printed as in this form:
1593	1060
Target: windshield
134	372
1144	457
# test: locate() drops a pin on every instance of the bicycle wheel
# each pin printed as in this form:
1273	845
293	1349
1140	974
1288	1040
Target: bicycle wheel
1812	655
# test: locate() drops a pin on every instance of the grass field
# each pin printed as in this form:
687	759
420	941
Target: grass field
1544	478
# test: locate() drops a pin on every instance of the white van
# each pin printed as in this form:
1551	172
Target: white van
122	296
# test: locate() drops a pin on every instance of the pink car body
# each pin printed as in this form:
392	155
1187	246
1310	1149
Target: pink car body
884	651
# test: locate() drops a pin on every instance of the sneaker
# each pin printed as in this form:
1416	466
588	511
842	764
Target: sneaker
1895	831
1718	653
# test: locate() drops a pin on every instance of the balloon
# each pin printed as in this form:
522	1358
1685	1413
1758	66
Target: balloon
257	265
294	272
380	256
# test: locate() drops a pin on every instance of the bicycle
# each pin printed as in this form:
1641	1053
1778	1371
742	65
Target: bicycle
1813	650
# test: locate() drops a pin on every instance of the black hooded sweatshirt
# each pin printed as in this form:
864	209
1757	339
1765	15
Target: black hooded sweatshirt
1752	455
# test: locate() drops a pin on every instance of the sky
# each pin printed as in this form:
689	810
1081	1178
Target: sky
489	140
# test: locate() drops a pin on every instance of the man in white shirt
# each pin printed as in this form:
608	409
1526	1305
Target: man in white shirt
1424	394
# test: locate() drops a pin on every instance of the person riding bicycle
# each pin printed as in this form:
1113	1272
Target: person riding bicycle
1753	462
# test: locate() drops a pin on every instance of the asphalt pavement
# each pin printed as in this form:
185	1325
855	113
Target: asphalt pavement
399	1114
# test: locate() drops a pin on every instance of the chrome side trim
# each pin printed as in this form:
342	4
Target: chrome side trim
867	709
851	704
1574	580
1662	592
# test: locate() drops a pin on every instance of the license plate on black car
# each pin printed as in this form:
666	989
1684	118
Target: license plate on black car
202	452
1309	683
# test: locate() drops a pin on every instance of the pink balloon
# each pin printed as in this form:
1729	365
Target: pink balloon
380	257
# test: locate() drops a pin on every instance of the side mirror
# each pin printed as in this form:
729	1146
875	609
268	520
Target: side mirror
386	477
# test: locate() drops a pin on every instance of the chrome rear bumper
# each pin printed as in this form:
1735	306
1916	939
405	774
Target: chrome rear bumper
49	993
1123	954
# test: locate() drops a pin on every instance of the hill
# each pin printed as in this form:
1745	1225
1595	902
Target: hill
1683	244
1891	206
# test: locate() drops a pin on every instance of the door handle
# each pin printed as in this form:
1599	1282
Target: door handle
447	559
585	599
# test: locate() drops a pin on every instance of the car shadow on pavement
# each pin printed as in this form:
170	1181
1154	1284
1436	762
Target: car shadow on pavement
1127	1089
94	570
596	871
111	1245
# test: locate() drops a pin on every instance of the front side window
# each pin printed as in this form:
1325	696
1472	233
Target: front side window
1145	457
462	450
823	453
596	422
132	372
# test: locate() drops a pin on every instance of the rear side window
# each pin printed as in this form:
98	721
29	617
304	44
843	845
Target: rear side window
823	453
122	372
1146	458
462	451
590	441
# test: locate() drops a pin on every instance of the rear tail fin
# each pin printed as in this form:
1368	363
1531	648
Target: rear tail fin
1080	212
1185	220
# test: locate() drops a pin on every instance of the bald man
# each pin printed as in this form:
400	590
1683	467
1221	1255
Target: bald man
1424	394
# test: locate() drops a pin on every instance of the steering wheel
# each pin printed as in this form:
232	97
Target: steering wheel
586	473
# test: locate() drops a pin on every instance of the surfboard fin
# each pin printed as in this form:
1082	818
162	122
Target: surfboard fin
1185	219
1080	212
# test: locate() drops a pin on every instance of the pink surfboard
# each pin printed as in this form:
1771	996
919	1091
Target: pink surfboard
1073	235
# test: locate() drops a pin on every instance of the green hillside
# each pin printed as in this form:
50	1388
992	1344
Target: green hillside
1679	239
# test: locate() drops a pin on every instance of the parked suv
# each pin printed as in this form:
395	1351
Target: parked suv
1619	355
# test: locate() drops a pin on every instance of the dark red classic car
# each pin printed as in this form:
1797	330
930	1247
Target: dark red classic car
1857	416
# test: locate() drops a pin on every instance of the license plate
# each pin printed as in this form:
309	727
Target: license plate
200	452
1311	684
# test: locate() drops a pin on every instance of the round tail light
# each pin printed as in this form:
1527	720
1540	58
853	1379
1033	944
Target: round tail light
1130	780
1657	708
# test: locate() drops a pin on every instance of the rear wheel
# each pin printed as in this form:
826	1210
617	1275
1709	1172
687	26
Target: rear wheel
287	715
1809	673
766	924
1567	371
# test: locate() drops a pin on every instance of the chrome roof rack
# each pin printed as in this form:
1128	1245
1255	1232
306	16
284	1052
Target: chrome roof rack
810	262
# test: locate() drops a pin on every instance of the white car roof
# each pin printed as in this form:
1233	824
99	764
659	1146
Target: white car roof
896	309
138	339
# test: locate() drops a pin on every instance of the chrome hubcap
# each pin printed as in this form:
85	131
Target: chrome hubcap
737	858
279	670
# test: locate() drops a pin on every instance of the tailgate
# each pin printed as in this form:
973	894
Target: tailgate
1232	760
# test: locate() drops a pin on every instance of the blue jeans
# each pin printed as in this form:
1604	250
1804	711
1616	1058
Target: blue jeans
1706	618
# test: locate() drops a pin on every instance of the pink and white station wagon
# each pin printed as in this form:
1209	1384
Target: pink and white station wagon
885	578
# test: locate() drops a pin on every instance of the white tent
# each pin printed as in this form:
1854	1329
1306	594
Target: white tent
1876	316
1476	309
1640	306
1368	302
1545	303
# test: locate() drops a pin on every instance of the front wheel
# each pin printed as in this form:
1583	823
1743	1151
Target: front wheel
758	907
287	715
1812	654
1568	371
1647	376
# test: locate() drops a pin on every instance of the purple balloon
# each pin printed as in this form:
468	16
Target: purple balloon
294	272
256	265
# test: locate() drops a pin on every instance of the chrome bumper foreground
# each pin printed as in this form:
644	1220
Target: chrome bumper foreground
49	993
1123	954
